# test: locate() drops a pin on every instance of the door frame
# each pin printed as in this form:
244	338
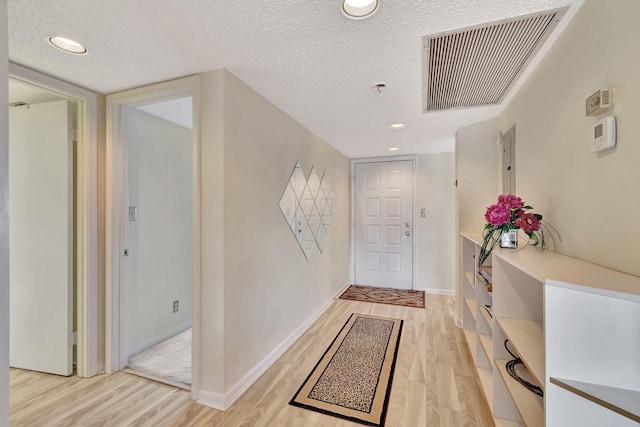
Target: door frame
414	190
86	233
116	282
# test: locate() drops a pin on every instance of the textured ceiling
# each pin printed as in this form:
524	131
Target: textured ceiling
303	55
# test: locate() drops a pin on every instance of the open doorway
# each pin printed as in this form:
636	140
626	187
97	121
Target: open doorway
118	308
37	88
157	140
43	231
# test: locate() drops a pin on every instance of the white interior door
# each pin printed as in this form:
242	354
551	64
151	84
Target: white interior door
383	224
41	237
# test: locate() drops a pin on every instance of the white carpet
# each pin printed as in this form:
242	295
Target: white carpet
170	359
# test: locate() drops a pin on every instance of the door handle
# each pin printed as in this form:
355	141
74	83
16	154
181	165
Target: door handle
407	225
407	233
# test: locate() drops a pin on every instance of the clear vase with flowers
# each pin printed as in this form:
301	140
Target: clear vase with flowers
510	213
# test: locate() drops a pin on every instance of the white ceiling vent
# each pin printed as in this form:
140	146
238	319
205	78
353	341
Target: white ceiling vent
478	65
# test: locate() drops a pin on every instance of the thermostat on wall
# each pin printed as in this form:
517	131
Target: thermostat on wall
603	136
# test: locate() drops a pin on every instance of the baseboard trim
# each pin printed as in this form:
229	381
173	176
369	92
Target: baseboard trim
157	340
210	399
341	290
435	291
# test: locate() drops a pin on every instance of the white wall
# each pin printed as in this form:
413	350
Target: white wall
160	241
435	233
591	199
269	286
4	220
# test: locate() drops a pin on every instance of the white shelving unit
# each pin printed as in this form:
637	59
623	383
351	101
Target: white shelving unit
575	325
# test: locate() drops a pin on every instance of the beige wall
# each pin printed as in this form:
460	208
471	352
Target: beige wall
211	352
269	286
591	199
435	233
477	167
4	220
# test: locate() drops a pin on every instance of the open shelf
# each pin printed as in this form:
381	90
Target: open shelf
471	304
565	318
487	317
527	338
469	276
471	338
621	401
486	383
501	422
487	344
529	405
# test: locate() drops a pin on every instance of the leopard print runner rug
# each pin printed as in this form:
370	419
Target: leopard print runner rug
353	378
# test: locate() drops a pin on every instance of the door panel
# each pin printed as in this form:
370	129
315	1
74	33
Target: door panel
383	224
41	233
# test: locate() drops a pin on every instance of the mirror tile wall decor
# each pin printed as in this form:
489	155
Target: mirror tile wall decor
307	205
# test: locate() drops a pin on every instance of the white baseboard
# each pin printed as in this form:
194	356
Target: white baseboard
212	400
158	339
341	290
222	403
434	291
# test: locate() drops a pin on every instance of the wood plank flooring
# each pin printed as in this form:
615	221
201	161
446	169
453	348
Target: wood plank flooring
433	384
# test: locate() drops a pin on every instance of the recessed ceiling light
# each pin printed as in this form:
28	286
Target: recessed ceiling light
67	45
397	126
393	149
359	9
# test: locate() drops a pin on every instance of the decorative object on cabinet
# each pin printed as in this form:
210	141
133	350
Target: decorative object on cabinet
307	205
507	216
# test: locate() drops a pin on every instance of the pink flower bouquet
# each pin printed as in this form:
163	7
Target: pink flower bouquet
511	213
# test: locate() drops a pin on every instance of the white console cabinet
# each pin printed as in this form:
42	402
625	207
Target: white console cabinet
575	325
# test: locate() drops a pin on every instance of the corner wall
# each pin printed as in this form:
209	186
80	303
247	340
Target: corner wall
477	167
270	288
4	219
435	233
590	198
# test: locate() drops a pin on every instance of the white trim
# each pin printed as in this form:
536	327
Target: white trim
436	291
212	400
196	237
116	351
167	334
222	403
86	272
341	290
352	251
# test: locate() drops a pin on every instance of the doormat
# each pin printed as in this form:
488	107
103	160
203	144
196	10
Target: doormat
353	378
384	296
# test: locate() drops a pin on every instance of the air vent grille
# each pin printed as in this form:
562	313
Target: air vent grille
477	66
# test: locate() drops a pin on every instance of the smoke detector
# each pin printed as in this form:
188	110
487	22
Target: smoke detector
379	87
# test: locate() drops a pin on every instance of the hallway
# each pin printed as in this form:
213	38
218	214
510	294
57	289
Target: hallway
432	385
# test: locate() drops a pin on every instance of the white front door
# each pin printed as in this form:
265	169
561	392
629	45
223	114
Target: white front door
40	239
383	224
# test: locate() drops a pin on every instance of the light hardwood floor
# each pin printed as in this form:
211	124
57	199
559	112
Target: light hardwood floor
433	384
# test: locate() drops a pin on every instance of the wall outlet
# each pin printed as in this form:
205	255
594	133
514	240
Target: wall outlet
176	306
